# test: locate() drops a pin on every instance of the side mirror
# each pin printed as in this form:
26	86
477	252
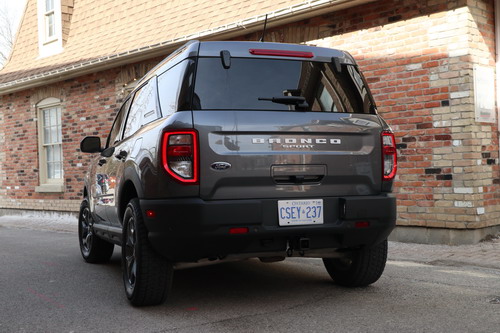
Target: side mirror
91	144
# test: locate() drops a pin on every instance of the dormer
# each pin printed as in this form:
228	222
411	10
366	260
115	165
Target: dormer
54	18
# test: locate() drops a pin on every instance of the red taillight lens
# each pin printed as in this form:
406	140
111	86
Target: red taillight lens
282	53
180	155
389	155
178	151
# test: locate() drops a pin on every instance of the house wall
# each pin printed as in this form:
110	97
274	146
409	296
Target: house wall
89	105
418	57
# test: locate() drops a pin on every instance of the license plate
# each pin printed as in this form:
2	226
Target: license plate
300	212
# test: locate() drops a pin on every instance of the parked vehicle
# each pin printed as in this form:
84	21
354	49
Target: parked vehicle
235	150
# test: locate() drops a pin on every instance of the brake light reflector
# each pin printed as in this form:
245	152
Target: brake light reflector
362	224
389	155
282	53
238	231
180	155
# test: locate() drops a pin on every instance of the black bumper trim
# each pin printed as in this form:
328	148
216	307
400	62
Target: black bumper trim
189	229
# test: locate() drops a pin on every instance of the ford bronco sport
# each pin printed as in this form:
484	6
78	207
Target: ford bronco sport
235	150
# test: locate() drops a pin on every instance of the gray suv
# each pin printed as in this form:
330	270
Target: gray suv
235	150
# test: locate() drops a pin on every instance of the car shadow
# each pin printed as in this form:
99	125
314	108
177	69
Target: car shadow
250	280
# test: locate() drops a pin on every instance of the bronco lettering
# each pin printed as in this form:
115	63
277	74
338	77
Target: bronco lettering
294	140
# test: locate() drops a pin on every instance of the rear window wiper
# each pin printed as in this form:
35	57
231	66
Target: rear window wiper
298	101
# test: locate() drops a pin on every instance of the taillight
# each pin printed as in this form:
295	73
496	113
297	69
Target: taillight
180	155
282	53
389	155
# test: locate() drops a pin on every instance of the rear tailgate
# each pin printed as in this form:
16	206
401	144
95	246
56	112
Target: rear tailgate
284	121
266	154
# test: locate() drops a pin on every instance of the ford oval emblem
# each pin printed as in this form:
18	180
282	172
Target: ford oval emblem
220	166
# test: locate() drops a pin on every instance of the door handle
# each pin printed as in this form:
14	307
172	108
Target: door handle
121	155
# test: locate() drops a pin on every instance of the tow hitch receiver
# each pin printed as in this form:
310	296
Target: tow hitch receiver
303	244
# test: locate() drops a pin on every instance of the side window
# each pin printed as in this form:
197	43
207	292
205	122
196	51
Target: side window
114	135
174	87
144	108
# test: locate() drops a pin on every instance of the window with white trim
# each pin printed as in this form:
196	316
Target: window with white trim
50	151
49	27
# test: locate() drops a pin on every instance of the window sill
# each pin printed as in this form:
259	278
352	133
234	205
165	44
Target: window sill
50	41
49	188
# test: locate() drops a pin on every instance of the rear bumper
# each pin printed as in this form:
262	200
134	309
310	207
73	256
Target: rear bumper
190	229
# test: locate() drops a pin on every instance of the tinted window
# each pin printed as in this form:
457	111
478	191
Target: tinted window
115	134
247	80
174	87
143	109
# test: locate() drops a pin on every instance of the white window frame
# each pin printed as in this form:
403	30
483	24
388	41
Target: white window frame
49	44
48	184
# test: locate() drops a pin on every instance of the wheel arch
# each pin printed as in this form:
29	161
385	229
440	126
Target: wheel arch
128	192
130	188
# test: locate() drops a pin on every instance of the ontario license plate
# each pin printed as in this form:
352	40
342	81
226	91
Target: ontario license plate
300	212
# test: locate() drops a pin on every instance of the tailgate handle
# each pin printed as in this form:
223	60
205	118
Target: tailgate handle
298	179
298	174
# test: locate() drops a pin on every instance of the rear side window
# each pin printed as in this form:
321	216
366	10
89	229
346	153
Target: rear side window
265	84
175	87
144	108
115	134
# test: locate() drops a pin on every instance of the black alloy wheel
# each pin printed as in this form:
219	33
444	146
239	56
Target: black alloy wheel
93	248
359	268
129	247
147	276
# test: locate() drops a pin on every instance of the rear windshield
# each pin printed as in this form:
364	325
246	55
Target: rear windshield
281	85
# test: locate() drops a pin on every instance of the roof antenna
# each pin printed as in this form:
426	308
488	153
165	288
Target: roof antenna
264	31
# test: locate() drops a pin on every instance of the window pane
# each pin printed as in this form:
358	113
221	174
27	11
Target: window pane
46	117
53	134
50	154
143	109
59	134
174	87
50	171
49	5
46	135
49	25
115	134
57	153
57	171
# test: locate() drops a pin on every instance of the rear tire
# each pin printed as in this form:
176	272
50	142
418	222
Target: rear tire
360	268
93	248
147	276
